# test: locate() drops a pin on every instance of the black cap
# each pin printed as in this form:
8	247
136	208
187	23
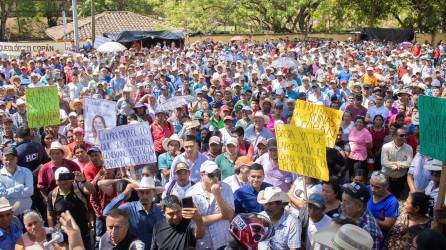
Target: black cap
22	132
271	144
357	190
9	150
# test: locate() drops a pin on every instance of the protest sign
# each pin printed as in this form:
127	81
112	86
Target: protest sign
432	112
302	151
42	106
14	49
309	115
98	114
127	145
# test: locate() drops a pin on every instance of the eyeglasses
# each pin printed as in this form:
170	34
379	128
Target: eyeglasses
213	175
402	135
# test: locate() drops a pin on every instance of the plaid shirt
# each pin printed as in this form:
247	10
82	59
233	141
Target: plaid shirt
287	233
368	223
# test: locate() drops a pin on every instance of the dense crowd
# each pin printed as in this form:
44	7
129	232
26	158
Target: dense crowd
216	183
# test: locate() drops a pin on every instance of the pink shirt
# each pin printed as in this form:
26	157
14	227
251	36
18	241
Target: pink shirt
358	141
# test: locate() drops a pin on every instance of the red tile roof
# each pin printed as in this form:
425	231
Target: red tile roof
110	21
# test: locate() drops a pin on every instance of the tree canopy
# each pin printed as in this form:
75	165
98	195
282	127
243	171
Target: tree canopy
255	16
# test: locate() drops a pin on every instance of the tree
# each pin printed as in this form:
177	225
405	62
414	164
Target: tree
421	15
5	9
368	12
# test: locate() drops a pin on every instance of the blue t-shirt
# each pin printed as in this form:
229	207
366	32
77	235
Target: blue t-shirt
388	207
8	239
245	199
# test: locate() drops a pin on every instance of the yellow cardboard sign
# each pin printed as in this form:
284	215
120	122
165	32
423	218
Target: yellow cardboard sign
302	151
309	115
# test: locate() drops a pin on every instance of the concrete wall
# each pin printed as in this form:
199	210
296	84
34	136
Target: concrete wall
419	37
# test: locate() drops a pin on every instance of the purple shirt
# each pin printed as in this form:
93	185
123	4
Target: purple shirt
273	175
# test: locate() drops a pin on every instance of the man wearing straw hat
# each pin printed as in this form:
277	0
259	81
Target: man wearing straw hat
287	226
10	227
142	213
347	237
46	180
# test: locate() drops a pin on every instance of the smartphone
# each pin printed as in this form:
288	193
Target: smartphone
188	202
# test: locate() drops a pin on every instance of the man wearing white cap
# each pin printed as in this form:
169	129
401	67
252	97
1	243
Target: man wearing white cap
71	195
19	118
226	160
215	202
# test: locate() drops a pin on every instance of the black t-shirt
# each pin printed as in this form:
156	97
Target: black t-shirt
181	236
31	154
128	243
73	204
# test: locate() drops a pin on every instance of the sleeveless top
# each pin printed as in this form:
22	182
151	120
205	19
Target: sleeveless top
30	245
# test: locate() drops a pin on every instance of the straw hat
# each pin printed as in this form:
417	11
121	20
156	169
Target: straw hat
75	101
6	206
260	114
148	183
347	237
271	194
173	137
56	145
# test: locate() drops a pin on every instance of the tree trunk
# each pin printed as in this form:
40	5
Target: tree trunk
3	17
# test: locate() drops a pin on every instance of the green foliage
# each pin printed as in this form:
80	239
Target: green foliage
252	16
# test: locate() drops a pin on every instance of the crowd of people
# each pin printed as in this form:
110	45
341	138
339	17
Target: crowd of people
217	182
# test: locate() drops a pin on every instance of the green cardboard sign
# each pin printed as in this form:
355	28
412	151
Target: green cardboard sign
42	106
432	113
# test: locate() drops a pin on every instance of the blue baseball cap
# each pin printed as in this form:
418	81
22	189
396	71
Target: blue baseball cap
317	199
94	149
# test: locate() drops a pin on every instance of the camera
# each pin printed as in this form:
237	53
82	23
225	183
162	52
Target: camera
66	176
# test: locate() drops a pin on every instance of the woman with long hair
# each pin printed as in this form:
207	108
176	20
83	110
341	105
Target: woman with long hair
415	212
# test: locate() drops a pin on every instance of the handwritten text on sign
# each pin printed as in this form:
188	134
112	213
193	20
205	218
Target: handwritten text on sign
42	106
302	151
309	115
432	127
128	145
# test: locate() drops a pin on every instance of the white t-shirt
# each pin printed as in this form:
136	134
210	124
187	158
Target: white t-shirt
299	191
313	228
233	182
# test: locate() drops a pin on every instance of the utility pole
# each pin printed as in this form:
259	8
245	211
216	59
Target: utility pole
93	22
75	24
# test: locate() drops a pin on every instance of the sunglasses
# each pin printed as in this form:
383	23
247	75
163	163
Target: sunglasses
402	135
213	175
